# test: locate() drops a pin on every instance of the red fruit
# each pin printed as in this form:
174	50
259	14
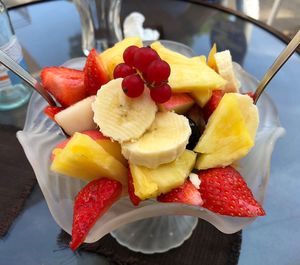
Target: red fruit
212	104
90	204
250	94
133	86
134	199
224	191
51	111
186	193
122	70
143	57
128	54
161	94
94	73
157	72
66	85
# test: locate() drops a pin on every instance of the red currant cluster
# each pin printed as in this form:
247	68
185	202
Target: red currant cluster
144	65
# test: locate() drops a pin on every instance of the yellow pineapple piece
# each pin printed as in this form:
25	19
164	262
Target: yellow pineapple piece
114	55
189	74
201	58
149	183
113	148
211	62
194	77
168	55
202	97
85	159
227	137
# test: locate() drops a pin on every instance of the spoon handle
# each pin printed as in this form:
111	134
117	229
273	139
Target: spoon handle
279	62
28	78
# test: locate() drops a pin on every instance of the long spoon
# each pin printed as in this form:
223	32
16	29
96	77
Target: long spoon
279	62
28	78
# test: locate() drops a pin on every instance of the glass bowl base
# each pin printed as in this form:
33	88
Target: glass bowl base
157	234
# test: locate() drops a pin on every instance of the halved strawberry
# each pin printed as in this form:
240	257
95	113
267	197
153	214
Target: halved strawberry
186	193
66	85
51	111
134	199
91	203
224	191
212	104
94	73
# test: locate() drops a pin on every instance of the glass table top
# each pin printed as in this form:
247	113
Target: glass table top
50	34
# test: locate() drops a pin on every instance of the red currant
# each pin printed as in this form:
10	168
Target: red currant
158	72
161	94
123	70
133	85
143	57
128	54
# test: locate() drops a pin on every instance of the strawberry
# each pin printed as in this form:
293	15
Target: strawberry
186	193
224	191
212	104
66	85
90	204
134	199
94	73
51	111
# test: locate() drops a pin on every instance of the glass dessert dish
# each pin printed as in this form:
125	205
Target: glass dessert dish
165	225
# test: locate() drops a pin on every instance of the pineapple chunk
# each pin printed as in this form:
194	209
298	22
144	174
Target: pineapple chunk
168	55
202	97
149	183
188	74
201	58
194	77
85	159
227	137
113	148
114	55
211	62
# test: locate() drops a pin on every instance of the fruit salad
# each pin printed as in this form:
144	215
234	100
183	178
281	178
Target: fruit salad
150	123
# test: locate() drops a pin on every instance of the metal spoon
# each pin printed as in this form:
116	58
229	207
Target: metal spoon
279	62
28	78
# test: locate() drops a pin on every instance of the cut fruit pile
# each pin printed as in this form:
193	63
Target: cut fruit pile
147	122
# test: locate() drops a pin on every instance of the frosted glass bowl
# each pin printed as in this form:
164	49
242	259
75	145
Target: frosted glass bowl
173	223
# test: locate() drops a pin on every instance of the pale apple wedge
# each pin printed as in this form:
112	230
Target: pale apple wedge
77	117
224	66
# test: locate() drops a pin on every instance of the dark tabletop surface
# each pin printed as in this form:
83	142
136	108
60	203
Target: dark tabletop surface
274	239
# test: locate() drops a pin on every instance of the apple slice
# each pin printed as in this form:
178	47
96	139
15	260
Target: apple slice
78	117
179	102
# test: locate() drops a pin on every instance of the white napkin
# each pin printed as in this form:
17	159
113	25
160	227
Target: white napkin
133	26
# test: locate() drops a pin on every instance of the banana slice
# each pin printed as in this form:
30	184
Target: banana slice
120	117
162	143
225	69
